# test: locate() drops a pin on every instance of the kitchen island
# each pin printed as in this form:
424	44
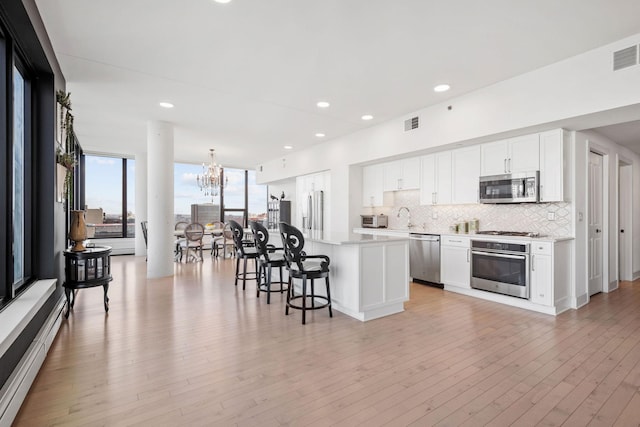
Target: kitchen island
369	275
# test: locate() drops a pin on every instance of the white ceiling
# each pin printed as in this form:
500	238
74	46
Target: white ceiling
245	77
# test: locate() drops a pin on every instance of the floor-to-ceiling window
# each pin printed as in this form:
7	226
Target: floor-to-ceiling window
18	184
241	198
109	196
20	133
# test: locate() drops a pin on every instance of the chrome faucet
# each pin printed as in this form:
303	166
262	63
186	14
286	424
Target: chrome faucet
409	225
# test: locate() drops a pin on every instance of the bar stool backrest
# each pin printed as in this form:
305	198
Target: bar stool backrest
238	234
293	242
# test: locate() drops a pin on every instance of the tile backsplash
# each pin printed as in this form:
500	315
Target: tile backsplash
507	217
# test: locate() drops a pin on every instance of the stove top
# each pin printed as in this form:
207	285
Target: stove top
510	233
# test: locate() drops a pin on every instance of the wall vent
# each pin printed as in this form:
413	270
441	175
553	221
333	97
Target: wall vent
625	58
411	124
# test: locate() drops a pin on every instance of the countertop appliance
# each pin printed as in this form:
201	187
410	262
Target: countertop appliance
374	221
501	267
424	257
510	188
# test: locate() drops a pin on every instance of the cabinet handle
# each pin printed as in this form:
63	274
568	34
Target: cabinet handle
509	165
533	267
505	165
468	252
540	195
399	183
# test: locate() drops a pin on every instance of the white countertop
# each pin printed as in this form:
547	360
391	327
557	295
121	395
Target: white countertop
336	238
405	232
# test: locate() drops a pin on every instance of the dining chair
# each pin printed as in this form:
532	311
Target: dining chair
144	224
245	253
177	253
226	242
193	234
217	240
305	267
269	256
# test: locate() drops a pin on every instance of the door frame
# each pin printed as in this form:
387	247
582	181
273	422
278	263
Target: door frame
625	203
604	152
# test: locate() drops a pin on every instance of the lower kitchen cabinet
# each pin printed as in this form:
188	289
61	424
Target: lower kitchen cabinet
541	278
550	275
455	267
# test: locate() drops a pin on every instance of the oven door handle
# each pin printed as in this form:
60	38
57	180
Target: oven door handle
491	254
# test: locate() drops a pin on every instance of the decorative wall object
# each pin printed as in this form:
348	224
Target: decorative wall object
65	154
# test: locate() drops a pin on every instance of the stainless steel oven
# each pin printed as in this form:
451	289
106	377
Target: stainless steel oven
501	267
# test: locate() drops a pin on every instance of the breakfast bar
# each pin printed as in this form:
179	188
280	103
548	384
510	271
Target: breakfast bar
369	274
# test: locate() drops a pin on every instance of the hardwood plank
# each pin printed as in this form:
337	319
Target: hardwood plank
195	350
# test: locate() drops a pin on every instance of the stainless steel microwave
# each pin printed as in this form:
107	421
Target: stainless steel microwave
510	188
375	221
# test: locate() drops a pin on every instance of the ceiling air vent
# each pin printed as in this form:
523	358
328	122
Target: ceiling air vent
411	124
625	58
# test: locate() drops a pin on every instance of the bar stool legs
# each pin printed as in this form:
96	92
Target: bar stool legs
265	280
291	297
252	275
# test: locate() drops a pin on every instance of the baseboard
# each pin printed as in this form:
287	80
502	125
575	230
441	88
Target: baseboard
613	286
636	275
17	386
581	300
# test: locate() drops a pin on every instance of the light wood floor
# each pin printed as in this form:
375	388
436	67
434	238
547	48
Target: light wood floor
194	350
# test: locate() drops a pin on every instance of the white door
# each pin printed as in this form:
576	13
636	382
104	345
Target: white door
595	223
624	224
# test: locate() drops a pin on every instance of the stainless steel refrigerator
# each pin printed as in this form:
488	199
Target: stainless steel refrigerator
312	213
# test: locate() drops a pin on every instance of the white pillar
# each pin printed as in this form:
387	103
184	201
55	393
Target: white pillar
141	201
160	199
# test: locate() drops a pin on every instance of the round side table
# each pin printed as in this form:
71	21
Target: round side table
87	269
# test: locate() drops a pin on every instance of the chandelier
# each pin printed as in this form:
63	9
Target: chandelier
210	182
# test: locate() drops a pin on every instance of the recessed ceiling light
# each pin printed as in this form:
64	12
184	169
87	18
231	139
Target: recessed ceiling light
367	117
288	147
442	88
323	104
320	135
222	1
166	105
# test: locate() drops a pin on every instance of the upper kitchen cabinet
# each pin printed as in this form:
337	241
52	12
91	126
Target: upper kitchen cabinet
465	164
401	174
521	154
436	174
553	157
372	185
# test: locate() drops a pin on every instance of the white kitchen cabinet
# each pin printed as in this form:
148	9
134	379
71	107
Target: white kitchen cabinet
553	157
521	154
435	181
465	164
372	185
401	174
455	261
541	278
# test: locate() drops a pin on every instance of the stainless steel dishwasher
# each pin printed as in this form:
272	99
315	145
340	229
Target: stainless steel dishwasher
424	257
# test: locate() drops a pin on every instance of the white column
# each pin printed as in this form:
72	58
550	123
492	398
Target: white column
141	201
160	199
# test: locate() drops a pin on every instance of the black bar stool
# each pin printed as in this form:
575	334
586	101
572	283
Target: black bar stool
245	253
268	258
303	266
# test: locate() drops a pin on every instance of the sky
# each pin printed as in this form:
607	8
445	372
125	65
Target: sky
101	170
